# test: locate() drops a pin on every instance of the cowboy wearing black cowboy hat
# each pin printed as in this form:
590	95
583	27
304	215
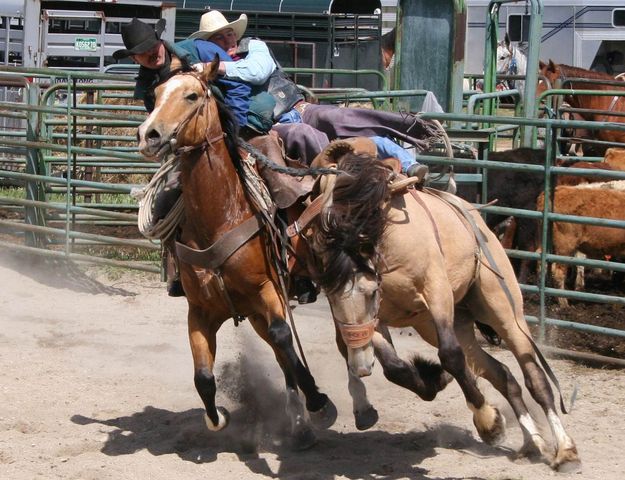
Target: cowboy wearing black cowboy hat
144	45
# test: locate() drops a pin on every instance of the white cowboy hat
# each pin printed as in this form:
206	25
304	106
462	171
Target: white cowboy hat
214	21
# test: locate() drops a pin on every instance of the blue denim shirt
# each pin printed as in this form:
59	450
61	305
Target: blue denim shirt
237	94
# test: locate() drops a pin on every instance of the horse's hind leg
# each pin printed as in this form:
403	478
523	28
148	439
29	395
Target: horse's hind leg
567	458
278	336
279	339
202	337
490	303
499	375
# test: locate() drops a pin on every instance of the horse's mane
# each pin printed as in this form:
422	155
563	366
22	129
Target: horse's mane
352	227
229	126
576	72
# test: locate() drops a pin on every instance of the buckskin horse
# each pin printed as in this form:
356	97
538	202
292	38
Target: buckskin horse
427	261
227	257
605	104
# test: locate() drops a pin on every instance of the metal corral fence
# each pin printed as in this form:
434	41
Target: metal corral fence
74	162
69	163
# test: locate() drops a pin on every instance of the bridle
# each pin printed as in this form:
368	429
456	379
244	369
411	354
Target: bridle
358	335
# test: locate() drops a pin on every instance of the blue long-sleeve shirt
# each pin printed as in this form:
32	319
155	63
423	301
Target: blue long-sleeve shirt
237	94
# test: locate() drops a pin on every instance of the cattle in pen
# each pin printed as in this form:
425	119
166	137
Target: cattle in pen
597	200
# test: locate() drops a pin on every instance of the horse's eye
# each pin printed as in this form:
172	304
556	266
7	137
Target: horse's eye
192	97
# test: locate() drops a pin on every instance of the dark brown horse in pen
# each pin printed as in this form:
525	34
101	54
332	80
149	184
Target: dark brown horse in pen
558	74
427	261
228	261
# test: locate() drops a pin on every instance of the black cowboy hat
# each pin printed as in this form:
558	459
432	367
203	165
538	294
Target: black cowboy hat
139	37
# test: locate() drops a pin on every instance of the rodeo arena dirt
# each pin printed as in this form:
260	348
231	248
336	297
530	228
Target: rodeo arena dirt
98	384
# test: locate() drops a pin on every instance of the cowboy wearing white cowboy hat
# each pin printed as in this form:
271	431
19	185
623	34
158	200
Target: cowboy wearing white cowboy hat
214	21
303	135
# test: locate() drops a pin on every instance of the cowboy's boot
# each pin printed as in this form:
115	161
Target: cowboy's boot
285	189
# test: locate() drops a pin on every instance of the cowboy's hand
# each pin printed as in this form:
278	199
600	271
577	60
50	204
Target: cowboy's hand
202	67
199	67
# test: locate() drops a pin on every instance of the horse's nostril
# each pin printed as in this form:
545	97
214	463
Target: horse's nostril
153	135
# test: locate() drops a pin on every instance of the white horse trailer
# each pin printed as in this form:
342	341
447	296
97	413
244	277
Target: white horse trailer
81	35
11	32
584	33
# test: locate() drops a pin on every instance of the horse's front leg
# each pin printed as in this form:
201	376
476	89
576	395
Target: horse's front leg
488	421
419	375
365	415
278	336
202	336
273	328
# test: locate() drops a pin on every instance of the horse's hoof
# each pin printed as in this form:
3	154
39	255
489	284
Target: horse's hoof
490	425
303	438
531	452
366	419
223	419
567	461
325	417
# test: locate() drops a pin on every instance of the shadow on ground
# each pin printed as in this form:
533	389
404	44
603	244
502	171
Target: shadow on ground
58	273
350	455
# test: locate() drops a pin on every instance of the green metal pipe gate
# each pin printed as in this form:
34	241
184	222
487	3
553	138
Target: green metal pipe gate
66	156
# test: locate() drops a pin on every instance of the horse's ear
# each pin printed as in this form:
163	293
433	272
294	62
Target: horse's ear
552	66
210	71
541	65
507	40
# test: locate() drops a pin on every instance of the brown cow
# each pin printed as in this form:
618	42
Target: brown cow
615	157
593	241
572	180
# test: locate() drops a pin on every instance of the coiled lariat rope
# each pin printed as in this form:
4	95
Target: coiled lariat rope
165	227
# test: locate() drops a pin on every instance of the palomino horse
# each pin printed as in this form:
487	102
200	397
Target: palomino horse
227	258
558	74
439	269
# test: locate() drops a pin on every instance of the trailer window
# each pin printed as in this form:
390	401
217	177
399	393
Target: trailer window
519	28
14	23
72	25
618	18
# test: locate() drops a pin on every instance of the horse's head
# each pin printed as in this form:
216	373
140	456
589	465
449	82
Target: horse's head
549	73
505	56
182	113
346	241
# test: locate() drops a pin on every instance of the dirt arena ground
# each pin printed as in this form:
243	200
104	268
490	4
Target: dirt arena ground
97	384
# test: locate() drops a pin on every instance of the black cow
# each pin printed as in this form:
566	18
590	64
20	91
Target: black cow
513	189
